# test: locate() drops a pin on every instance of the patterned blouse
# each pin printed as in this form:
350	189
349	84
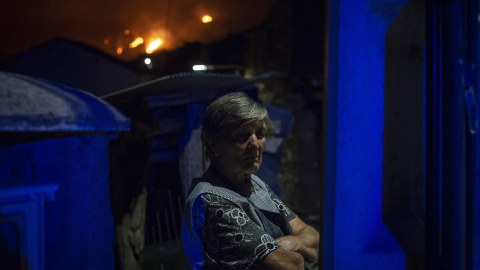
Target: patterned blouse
227	226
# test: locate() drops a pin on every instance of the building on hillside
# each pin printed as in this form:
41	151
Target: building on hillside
74	64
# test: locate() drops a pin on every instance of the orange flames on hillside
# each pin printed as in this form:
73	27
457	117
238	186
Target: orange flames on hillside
130	42
207	19
113	28
138	41
136	45
154	45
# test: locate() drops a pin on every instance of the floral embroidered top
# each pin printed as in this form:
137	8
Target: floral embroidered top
228	226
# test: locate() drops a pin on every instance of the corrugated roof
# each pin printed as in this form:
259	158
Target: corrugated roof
194	83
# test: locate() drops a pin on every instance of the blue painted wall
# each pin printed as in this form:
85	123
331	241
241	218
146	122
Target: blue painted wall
355	236
477	222
78	224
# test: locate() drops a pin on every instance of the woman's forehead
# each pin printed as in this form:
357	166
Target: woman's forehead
255	125
259	124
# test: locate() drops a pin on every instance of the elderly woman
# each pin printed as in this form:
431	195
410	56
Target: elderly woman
232	219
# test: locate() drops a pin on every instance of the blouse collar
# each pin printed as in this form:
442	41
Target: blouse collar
218	178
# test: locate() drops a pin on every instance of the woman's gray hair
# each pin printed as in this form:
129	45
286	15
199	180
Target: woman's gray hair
229	112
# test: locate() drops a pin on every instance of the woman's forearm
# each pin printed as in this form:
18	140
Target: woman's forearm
310	239
305	240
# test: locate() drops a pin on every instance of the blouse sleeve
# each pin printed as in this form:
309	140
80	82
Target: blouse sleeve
230	238
282	208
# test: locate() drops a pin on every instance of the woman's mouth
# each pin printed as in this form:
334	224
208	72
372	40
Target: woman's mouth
251	158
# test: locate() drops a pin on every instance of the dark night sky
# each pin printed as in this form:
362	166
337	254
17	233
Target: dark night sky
27	23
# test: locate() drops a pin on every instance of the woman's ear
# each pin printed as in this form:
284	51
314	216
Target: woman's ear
211	146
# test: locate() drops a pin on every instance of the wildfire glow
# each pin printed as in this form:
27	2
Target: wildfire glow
154	45
206	19
119	51
136	42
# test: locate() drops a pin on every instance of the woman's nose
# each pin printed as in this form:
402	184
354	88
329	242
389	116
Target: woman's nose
253	141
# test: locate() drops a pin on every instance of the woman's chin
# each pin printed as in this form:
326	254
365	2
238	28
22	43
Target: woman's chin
252	167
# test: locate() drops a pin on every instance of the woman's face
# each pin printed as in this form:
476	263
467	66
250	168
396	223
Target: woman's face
239	154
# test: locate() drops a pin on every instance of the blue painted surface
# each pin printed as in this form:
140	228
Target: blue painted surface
24	209
355	237
194	118
331	137
477	223
476	259
78	223
10	246
79	229
360	239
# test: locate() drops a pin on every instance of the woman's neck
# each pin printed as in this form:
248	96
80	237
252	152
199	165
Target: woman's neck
232	176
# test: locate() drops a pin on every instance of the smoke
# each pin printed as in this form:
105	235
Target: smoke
29	23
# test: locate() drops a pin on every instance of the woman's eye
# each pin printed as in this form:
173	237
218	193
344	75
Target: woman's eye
260	135
242	138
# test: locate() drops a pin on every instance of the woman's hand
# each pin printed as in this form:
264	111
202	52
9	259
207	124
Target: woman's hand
282	259
291	243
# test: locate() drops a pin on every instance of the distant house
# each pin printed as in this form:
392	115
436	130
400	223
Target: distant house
74	64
